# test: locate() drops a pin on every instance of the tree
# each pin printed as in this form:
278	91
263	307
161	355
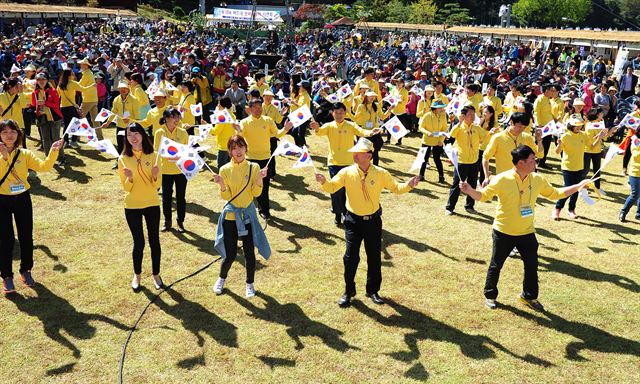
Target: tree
550	12
373	10
422	12
452	14
336	11
309	11
396	11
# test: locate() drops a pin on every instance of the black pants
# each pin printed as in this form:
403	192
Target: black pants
595	159
231	248
299	134
152	218
378	143
273	142
338	198
468	172
570	178
120	139
18	208
503	244
68	113
627	157
263	199
481	175
356	230
437	153
625	94
168	182
546	144
28	117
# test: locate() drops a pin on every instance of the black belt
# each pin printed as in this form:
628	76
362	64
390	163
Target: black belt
372	216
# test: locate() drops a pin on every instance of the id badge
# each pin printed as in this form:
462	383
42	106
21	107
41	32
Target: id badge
526	211
16	188
369	124
126	115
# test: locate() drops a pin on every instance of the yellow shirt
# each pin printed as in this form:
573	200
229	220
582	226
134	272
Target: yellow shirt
15	113
223	133
260	88
501	145
542	111
367	117
468	142
424	107
153	119
142	192
303	99
257	133
235	176
119	108
475	100
18	176
271	111
186	101
372	84
401	108
509	100
140	95
634	164
363	191
179	135
485	136
496	103
68	96
202	91
431	123
89	88
514	193
341	138
557	109
572	147
591	137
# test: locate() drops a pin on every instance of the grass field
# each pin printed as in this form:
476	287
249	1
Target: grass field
71	327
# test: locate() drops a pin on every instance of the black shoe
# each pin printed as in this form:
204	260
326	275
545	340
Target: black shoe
115	166
344	301
181	228
441	180
265	216
622	217
165	228
375	298
338	219
471	210
421	177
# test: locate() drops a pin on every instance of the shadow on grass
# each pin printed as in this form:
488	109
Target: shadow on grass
69	171
273	362
201	210
295	185
92	154
59	267
389	239
61	321
618	229
422	327
300	232
297	322
583	273
196	319
203	244
551	235
38	189
591	338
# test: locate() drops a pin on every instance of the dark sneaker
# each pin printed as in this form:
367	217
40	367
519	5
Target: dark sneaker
27	279
8	286
532	303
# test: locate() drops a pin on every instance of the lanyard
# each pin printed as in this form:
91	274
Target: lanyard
521	192
140	170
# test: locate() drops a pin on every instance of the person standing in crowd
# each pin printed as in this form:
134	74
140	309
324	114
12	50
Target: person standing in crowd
467	136
48	114
341	135
223	131
125	109
137	88
67	89
489	127
596	133
257	131
634	179
116	71
517	191
270	110
140	177
89	106
152	121
628	83
238	99
368	115
184	105
363	184
240	182
300	96
12	102
434	127
371	83
202	91
15	201
170	128
543	114
400	109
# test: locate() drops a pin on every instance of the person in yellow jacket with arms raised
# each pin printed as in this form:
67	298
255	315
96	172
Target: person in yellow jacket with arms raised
15	201
270	110
13	100
363	183
152	121
517	191
89	95
434	127
124	111
140	178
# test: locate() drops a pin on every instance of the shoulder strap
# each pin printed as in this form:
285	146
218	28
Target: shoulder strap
16	97
11	167
237	194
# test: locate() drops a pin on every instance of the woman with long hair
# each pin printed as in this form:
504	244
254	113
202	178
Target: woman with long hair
140	177
12	103
67	89
367	117
489	128
15	201
571	144
48	114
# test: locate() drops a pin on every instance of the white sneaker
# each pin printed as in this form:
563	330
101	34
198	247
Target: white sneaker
250	291
219	286
602	192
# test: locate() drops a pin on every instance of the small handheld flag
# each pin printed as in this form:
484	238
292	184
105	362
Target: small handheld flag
300	116
103	115
392	99
304	160
170	149
417	163
204	131
104	146
196	109
395	128
280	94
344	91
452	154
332	98
630	121
549	129
287	148
221	117
417	91
190	164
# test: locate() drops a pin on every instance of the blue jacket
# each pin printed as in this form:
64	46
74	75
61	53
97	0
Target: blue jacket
250	217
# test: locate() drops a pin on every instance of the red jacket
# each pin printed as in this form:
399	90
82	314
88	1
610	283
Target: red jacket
51	100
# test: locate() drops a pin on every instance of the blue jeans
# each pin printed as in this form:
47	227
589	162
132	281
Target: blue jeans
634	197
570	178
595	159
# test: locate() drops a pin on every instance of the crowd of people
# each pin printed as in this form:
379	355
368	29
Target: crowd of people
486	98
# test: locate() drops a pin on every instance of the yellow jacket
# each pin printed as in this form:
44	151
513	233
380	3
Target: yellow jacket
431	123
129	107
15	113
468	141
179	135
142	191
236	176
341	138
16	181
89	88
258	133
153	119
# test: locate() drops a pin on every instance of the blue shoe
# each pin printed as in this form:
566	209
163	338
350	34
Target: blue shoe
8	286
27	279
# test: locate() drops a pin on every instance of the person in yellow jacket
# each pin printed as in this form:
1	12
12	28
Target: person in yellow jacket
341	134
67	88
400	109
136	87
140	178
152	120
223	131
371	83
261	85
257	131
571	145
368	115
542	114
89	94
184	105
505	141
15	201
596	132
124	111
634	179
358	99
170	128
13	100
510	99
270	110
517	191
363	183
489	125
202	91
467	137
473	96
434	128
493	100
300	96
424	105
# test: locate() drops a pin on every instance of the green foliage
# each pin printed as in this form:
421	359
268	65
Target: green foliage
178	12
452	14
336	11
396	11
550	12
422	12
